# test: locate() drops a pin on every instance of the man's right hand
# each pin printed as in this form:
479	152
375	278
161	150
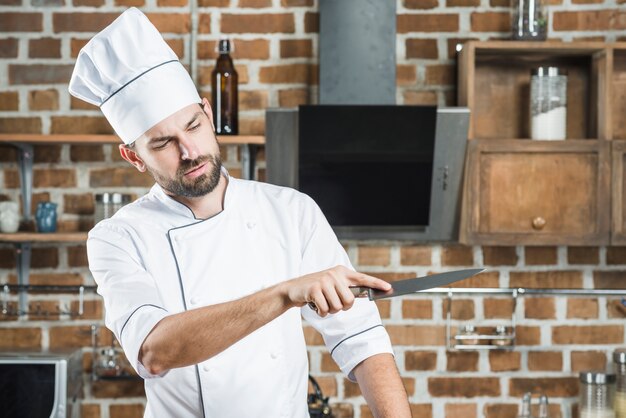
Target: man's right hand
329	290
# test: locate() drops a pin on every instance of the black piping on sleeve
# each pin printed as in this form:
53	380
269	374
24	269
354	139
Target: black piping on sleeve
354	335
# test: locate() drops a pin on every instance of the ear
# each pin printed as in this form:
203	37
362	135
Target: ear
206	106
132	157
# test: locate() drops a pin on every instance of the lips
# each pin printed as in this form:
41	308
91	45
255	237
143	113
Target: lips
197	171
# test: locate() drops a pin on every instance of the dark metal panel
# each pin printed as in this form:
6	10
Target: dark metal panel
281	146
357	45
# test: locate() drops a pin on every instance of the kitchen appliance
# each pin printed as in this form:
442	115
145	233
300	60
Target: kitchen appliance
40	384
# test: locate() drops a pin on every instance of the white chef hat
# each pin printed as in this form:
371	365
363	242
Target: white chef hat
132	75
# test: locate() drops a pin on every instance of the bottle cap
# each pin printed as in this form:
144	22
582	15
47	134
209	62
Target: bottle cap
223	46
548	71
619	355
596	378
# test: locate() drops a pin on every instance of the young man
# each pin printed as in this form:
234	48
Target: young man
201	277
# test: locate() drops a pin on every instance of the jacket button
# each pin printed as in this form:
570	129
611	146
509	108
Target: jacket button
193	301
274	355
250	225
206	368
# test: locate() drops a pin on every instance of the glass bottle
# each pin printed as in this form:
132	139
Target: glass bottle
548	103
529	21
619	358
596	395
224	92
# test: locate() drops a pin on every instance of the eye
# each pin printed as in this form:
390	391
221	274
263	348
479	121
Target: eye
194	127
162	145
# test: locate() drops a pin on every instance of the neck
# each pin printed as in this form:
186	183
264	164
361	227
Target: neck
206	206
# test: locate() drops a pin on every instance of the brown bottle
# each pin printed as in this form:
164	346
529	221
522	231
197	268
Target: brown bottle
224	92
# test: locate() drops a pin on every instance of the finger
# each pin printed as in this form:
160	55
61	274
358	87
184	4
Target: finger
362	279
320	302
346	296
334	302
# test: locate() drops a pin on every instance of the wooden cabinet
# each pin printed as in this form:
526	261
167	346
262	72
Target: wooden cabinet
525	192
619	193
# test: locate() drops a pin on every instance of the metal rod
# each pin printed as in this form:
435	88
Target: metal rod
49	288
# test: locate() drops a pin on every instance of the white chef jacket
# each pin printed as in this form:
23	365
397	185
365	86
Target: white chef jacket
154	259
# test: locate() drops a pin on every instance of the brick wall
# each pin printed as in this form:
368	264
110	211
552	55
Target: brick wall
276	44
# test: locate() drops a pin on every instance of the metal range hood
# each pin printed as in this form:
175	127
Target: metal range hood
378	171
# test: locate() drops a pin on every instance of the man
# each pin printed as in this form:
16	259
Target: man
201	276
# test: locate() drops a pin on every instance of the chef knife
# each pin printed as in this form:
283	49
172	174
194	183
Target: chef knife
405	287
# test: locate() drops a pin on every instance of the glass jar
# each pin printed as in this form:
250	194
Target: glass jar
548	103
597	390
468	335
109	203
619	358
503	339
529	20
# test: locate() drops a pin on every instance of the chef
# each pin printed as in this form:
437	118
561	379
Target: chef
205	279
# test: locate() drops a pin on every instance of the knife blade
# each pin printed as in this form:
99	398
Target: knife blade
408	286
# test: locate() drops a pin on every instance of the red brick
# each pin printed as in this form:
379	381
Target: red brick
374	256
126	411
78	204
8	48
80	125
15	338
601	334
582	308
89	3
40	73
7	258
463	386
296	3
172	3
609	279
90	410
119	177
311	22
615	309
485	279
490	22
416	334
462	3
249	126
461	309
420	4
384	308
106	389
557	387
43	99
423	410
293	97
501	410
457	255
255	3
328	364
70	279
312	337
9	100
43	310
130	3
254	49
545	361
615	255
587	360
461	361
589	20
527	335
406	75
44	48
440	75
21	22
547	279
20	125
289	73
500	256
77	256
420	360
54	177
44	257
89	153
539	308
328	385
427	23
214	3
177	45
504	361
296	48
583	255
47	153
171	22
420	97
258	23
497	308
457	410
534	256
422	48
77	104
417	309
342	410
81	22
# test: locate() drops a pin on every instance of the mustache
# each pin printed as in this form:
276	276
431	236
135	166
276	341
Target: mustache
187	165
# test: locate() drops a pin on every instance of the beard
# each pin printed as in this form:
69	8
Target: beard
196	187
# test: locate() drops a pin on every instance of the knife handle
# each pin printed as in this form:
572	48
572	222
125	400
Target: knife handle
357	291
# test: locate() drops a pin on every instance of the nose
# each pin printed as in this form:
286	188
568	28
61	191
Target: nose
188	149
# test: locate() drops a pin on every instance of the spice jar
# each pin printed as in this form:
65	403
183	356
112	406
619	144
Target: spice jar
503	339
109	203
548	103
528	20
619	358
468	335
596	395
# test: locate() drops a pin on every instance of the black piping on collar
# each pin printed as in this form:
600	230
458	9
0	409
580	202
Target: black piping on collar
147	71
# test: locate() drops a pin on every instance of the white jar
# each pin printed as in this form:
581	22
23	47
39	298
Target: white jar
548	103
9	217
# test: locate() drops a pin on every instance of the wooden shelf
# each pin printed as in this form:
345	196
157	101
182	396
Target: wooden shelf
113	139
20	237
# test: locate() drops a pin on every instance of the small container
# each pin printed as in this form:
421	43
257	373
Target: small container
548	103
525	407
597	391
46	217
468	334
109	203
619	358
504	340
529	20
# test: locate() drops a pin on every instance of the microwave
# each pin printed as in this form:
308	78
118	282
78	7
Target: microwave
40	384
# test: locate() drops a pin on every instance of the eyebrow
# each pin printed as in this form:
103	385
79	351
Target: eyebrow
193	120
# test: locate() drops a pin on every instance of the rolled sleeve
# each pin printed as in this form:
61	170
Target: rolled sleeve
132	303
356	334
